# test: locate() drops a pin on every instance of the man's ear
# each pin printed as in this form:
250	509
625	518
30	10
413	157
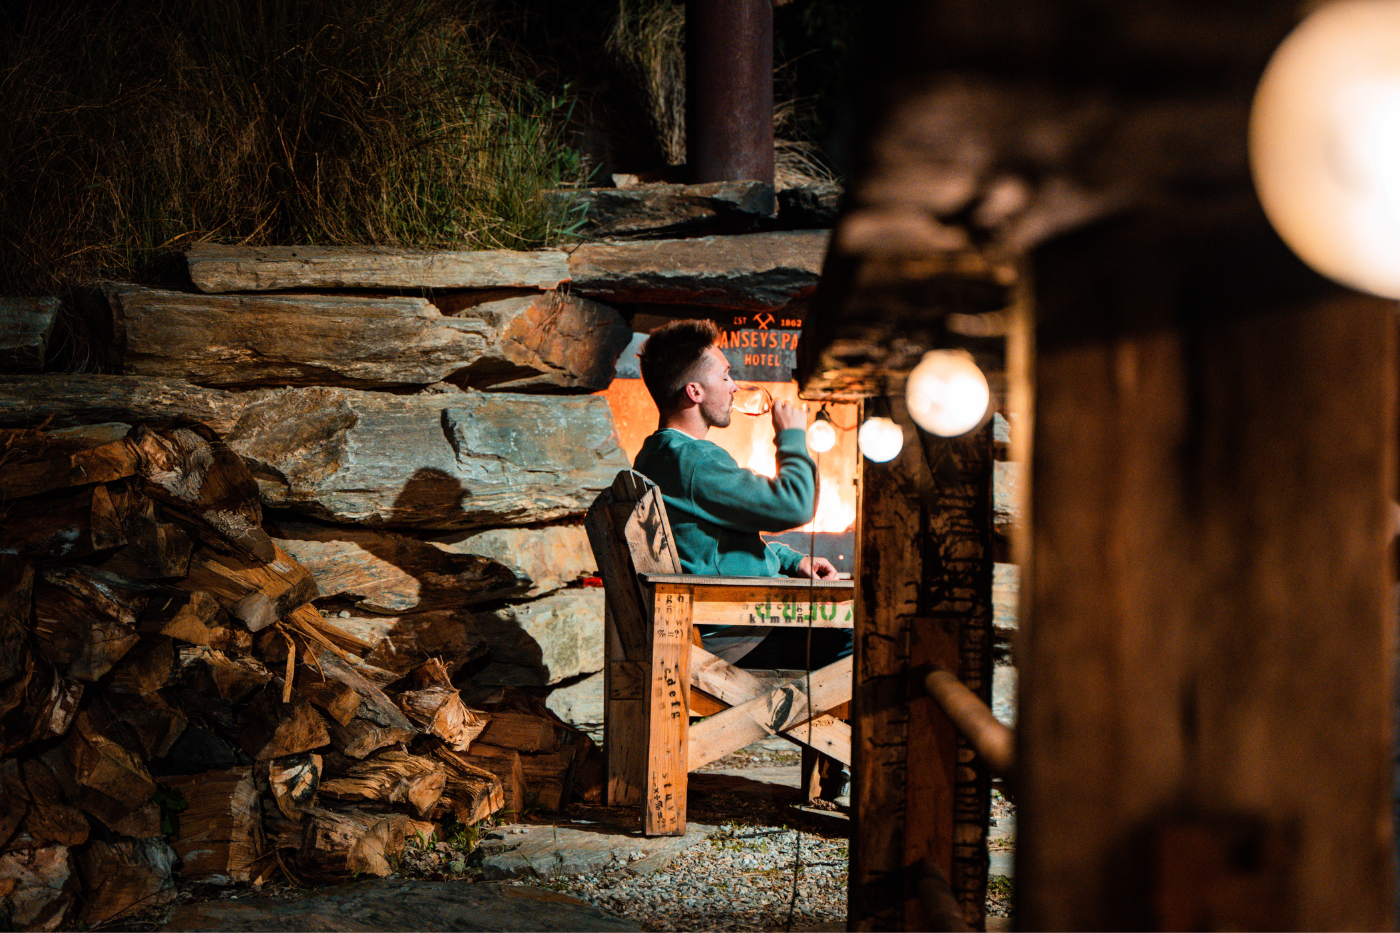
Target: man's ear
693	392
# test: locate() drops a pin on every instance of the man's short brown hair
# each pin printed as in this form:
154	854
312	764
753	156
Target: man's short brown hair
669	358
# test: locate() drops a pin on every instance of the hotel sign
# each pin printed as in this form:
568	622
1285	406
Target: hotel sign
761	346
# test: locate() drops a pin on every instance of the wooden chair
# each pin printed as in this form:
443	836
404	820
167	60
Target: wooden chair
658	676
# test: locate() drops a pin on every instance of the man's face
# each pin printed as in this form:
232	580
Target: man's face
717	389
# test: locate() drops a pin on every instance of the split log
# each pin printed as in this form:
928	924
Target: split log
246	340
145	668
43	887
389	777
506	765
523	732
404	642
393	573
277	729
42	461
195	618
295	782
85	619
216	268
70	524
473	793
146	724
194	474
107	766
219	833
335	846
155	549
25	327
440	711
14	800
42	704
257	594
125	876
377	721
753	272
140	823
545	343
16	600
45	818
228	677
337	700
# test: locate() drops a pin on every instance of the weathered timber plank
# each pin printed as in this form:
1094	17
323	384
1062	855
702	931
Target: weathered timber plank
663	812
245	340
1212	539
734	686
215	268
752	272
776	710
801	606
925	567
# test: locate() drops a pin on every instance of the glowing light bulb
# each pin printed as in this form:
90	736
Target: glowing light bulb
1324	143
947	394
821	436
880	439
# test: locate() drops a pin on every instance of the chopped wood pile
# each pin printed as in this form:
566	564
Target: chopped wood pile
173	706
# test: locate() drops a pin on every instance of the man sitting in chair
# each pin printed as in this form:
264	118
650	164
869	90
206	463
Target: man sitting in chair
716	507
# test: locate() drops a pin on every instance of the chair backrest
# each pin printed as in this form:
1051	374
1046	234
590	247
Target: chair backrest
630	534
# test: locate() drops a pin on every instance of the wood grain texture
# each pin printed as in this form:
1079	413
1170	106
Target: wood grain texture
668	740
925	578
1211	631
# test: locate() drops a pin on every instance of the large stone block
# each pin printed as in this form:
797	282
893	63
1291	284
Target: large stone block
25	327
244	340
550	557
548	640
392	573
215	268
752	272
448	460
545	342
662	209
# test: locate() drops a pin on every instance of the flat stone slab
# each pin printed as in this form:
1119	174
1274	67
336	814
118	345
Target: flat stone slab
25	327
215	268
531	851
399	904
749	272
662	209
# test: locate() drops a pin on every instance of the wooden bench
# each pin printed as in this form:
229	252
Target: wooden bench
658	676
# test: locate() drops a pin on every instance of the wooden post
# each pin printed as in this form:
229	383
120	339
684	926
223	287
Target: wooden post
925	585
1206	703
668	742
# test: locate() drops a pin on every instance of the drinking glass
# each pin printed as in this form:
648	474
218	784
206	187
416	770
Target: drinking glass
752	400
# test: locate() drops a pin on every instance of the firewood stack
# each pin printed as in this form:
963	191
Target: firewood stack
173	706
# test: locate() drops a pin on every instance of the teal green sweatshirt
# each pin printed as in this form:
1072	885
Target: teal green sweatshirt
717	508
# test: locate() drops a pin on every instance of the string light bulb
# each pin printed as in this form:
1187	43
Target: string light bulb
1324	143
821	436
880	439
947	393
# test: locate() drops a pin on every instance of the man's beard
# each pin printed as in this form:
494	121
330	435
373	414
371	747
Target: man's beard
717	417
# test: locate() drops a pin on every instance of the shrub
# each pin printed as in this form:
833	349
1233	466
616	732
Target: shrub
139	128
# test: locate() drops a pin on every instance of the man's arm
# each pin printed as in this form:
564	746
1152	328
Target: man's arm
742	499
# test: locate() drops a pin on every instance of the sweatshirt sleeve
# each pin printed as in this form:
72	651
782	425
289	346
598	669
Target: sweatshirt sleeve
745	500
788	559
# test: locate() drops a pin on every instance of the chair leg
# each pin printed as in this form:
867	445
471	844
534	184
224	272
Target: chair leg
811	774
668	734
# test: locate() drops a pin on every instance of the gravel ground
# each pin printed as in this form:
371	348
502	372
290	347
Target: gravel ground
741	878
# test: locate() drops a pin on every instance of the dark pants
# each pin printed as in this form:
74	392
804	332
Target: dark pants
785	649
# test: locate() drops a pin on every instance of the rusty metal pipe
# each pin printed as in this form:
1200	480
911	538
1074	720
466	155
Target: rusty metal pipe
729	90
994	742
